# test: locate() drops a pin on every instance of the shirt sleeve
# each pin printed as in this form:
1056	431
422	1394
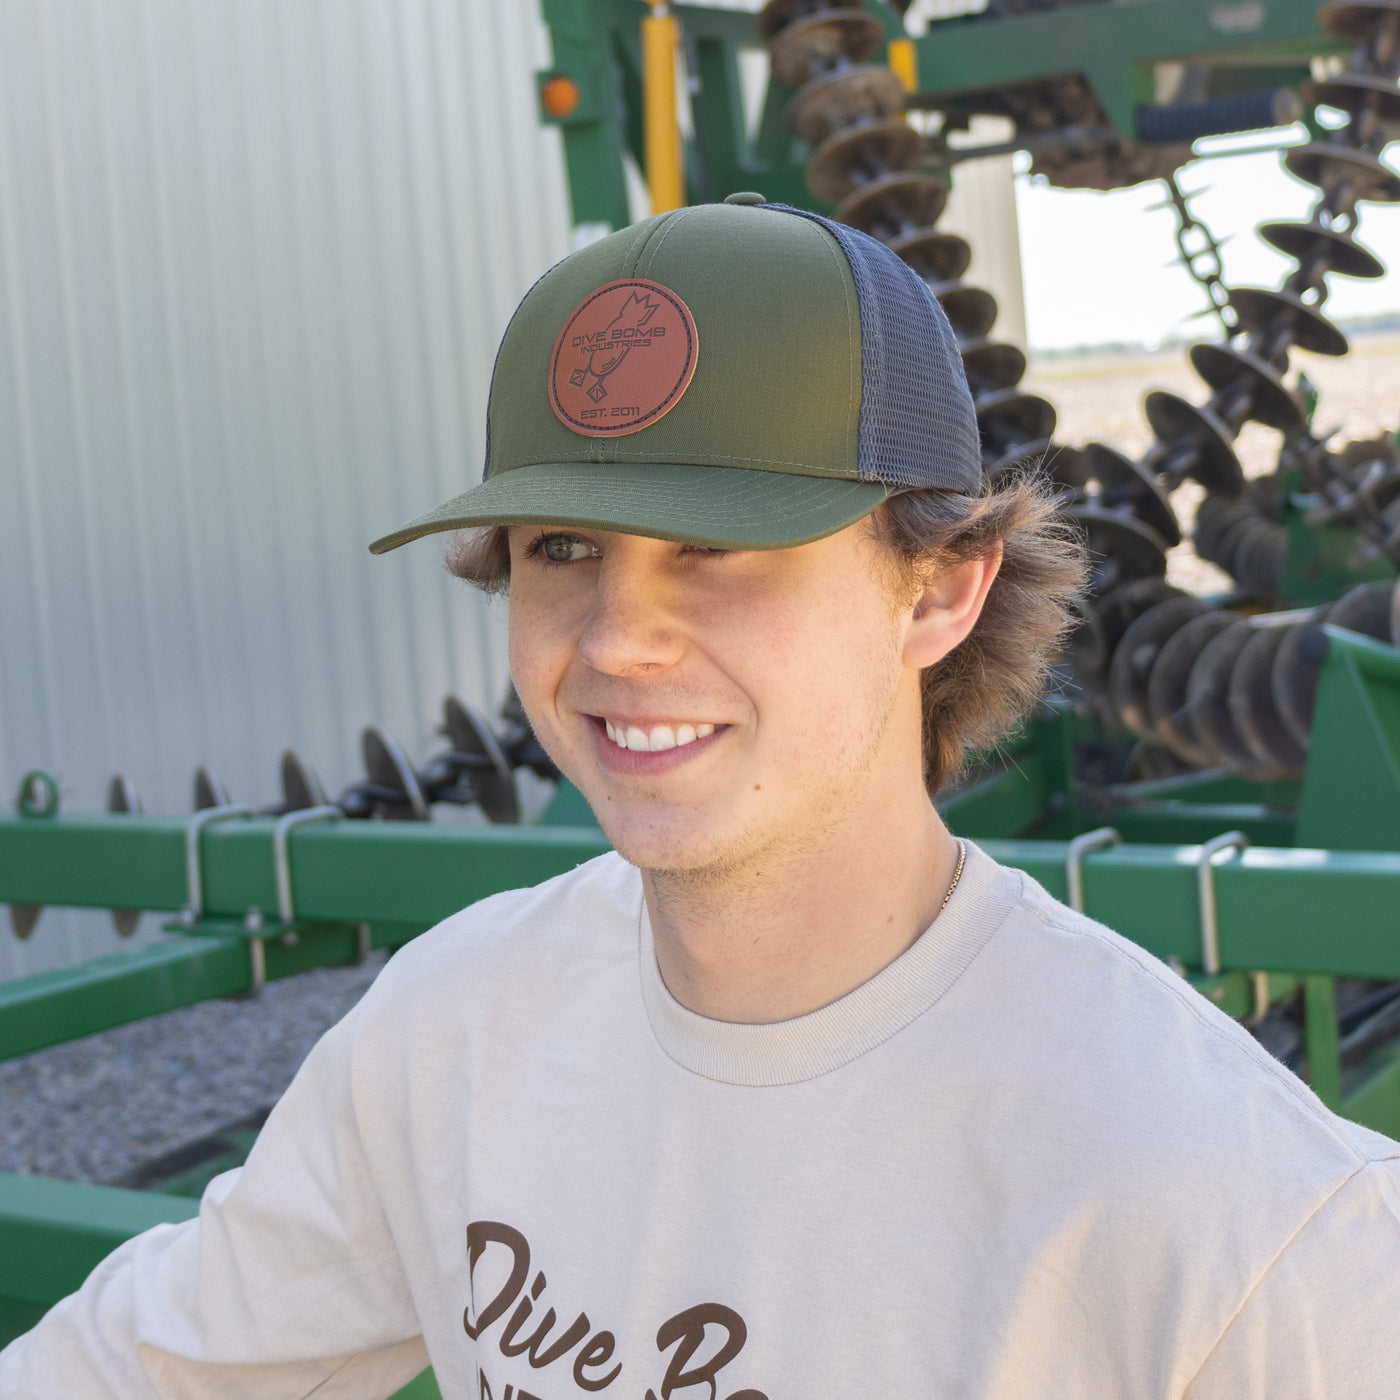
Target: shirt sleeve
287	1283
1321	1324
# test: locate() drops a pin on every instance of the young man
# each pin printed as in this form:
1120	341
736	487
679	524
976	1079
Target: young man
796	1094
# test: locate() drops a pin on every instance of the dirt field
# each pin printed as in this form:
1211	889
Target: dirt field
1100	397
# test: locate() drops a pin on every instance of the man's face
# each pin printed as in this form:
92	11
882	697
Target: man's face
760	695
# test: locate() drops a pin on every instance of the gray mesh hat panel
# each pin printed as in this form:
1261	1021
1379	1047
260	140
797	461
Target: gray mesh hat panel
917	423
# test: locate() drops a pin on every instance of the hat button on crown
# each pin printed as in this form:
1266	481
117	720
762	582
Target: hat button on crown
745	197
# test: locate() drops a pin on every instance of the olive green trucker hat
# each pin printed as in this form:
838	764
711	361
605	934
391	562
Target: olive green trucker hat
739	375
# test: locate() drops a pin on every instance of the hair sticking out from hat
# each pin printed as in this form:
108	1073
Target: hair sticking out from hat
981	691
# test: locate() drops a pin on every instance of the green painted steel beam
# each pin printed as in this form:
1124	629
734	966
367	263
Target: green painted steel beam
1351	793
1279	910
1317	567
54	1233
342	872
1212	785
1300	911
398	879
1190	823
53	1007
50	1008
1112	45
1007	803
1371	1092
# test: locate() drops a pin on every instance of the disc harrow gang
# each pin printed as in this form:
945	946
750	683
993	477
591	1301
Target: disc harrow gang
1210	687
1203	686
477	769
1217	688
866	164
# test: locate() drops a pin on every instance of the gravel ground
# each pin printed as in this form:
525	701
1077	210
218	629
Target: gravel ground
94	1109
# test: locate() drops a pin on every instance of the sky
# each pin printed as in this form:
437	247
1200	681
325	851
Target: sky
1100	268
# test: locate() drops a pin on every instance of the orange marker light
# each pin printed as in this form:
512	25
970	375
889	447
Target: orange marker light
559	97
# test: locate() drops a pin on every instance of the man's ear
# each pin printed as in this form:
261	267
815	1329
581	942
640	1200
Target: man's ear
947	609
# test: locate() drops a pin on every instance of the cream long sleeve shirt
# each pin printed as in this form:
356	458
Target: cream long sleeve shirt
1023	1161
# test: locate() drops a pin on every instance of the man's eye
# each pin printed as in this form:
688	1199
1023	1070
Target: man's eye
564	549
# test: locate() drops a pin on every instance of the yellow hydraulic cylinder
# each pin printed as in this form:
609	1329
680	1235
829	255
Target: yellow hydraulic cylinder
904	60
660	38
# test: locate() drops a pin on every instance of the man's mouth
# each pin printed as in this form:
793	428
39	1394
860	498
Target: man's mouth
657	737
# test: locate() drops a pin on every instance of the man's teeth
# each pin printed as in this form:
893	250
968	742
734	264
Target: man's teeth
659	737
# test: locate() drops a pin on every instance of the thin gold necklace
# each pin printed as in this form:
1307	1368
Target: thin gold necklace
957	875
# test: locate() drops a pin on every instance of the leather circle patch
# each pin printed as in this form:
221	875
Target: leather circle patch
623	360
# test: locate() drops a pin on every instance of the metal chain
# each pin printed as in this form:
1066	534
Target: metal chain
1203	262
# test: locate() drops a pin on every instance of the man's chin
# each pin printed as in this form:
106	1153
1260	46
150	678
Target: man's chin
670	849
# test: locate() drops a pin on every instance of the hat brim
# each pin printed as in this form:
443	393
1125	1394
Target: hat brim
718	507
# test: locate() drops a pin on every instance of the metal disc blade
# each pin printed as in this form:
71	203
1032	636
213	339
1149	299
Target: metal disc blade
776	15
23	917
1064	465
833	103
1131	667
1344	254
1258	558
1110	616
388	767
992	364
301	788
1124	482
1252	709
1366	609
493	784
1260	309
849	159
1169	682
122	795
1121	548
209	791
1332	167
1215	517
809	47
893	204
1294	679
936	257
1270	400
1010	416
1020	456
1178	422
1353	93
1207	706
971	310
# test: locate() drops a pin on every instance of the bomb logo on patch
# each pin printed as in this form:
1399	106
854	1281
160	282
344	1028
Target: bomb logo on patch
623	360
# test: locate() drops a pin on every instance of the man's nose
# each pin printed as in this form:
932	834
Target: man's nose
631	628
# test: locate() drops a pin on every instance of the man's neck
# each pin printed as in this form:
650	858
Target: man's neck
798	929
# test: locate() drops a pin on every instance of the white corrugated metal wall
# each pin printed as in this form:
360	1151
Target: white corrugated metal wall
254	260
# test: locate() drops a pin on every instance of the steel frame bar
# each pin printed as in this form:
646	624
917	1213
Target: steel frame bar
1114	46
344	872
1272	901
54	1233
396	879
